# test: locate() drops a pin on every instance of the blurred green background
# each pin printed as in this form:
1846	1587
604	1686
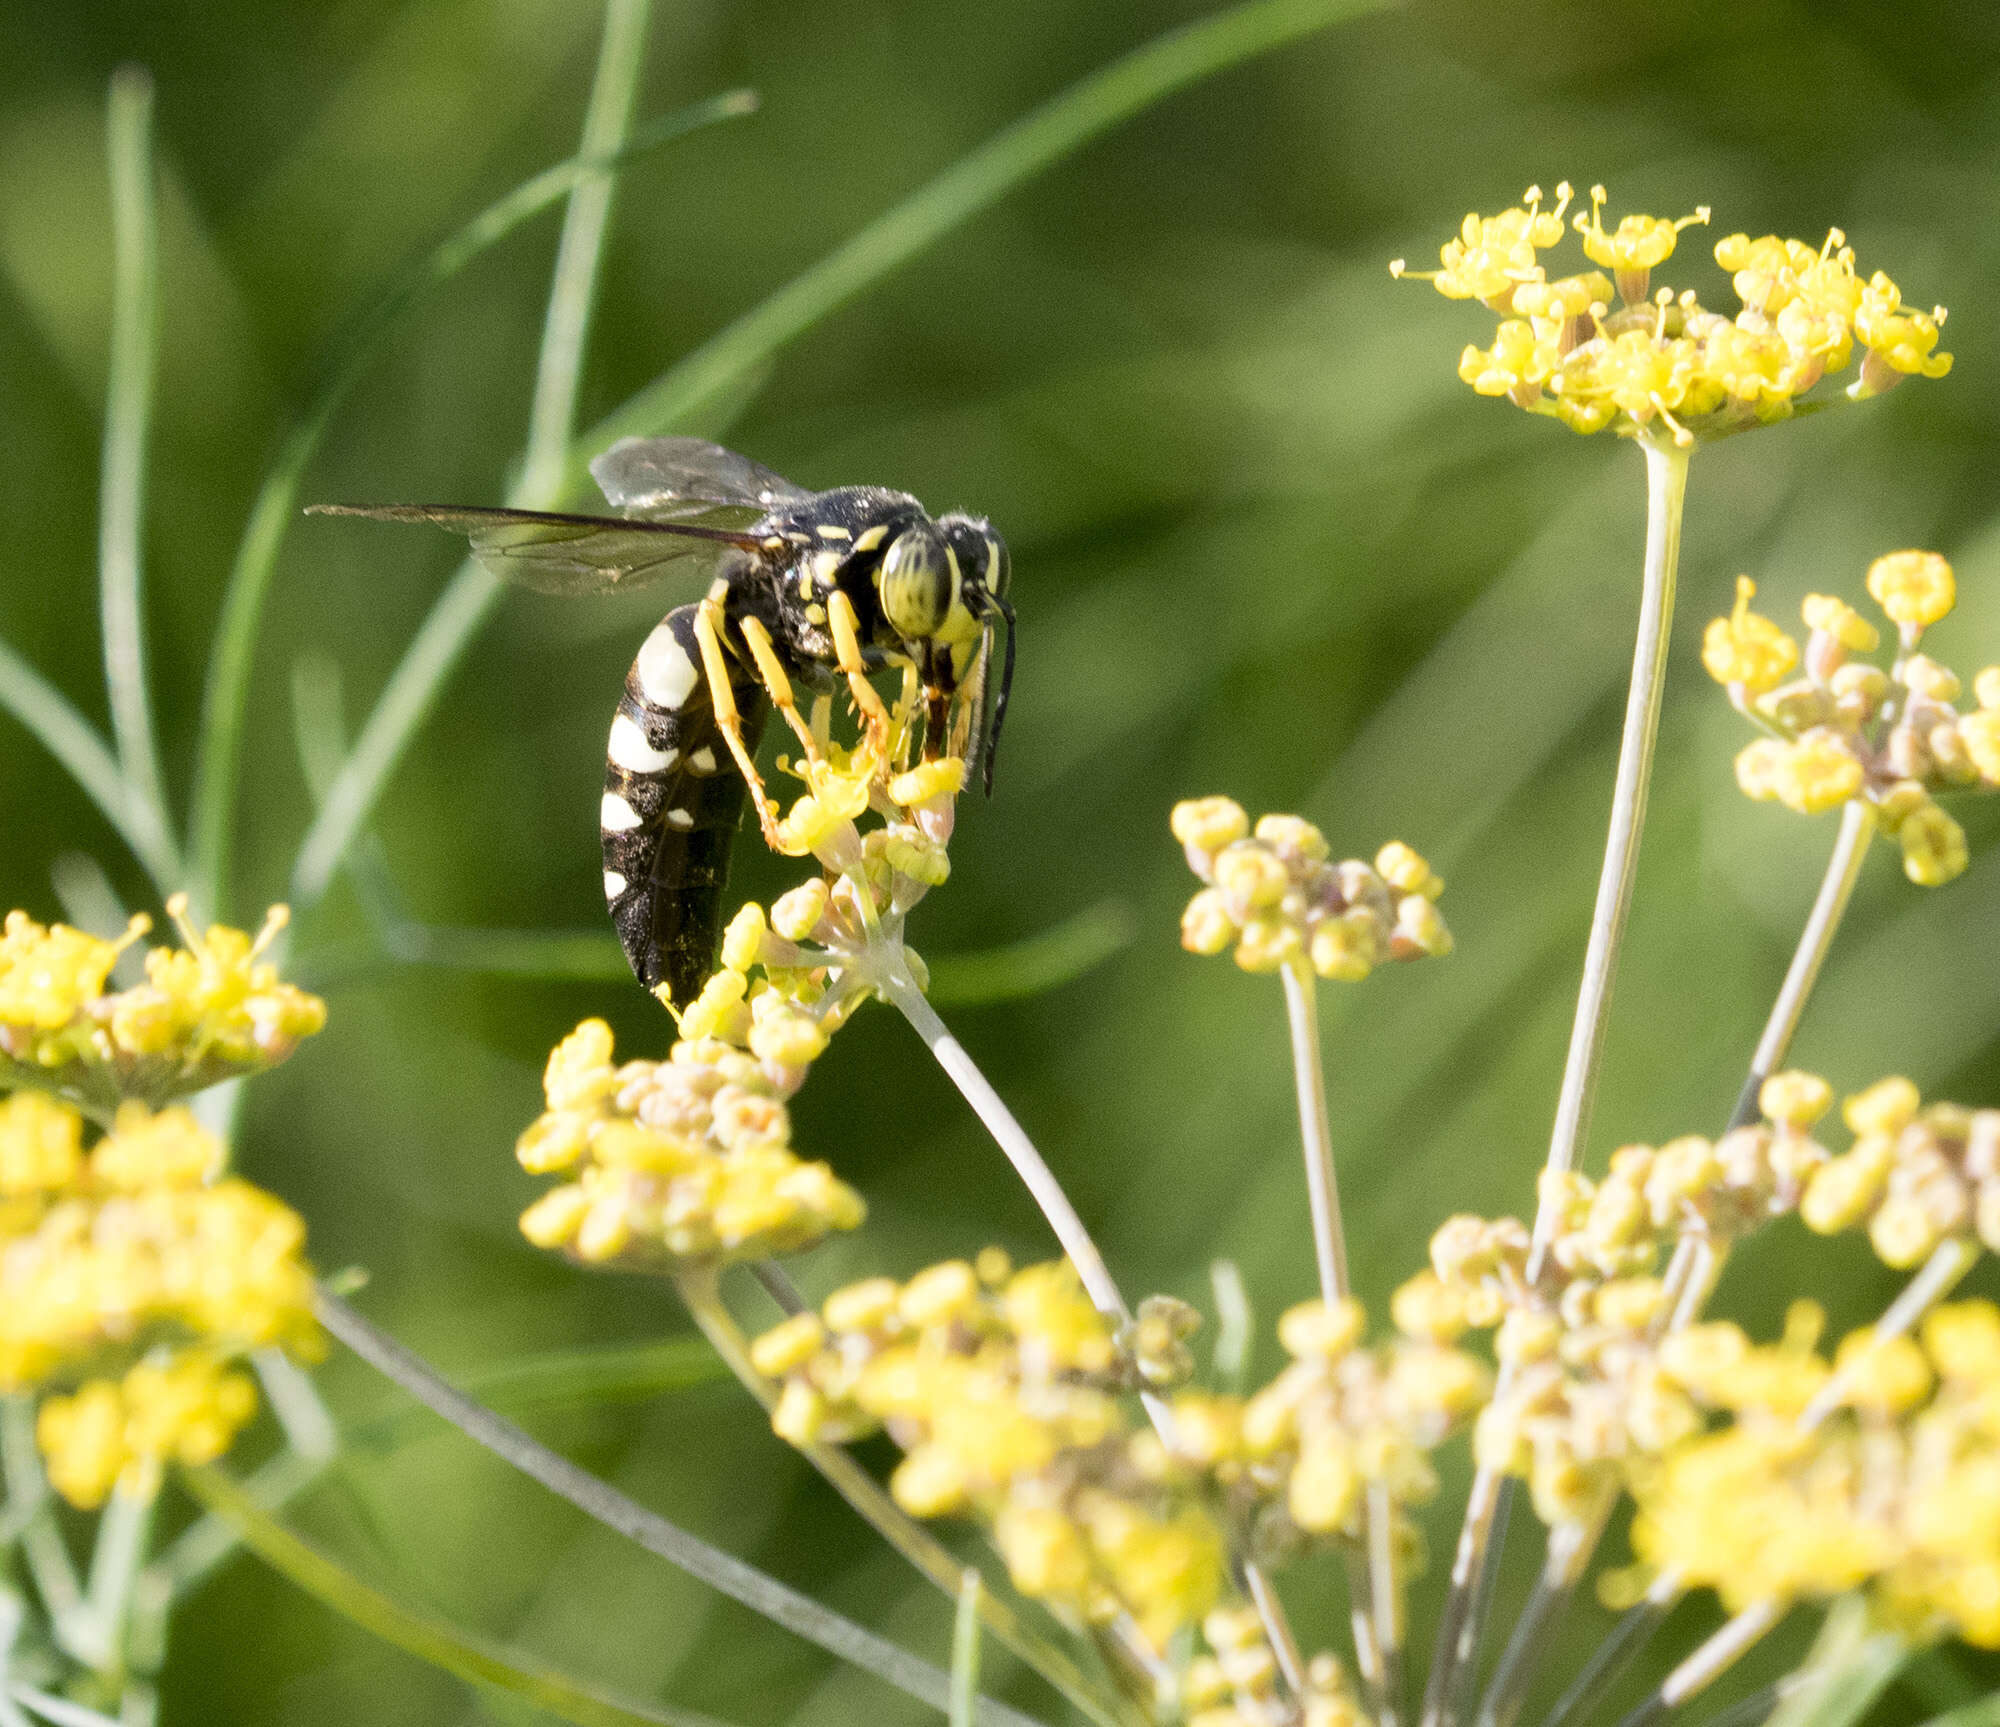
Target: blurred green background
1264	543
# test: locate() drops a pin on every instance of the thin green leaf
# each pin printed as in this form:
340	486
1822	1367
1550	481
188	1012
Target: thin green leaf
226	700
1036	964
1071	119
965	1651
721	1571
128	409
458	1652
74	742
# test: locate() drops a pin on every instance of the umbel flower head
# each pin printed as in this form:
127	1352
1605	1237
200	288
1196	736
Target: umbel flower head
1592	1392
1898	1493
1658	361
134	1267
675	1163
1273	898
1008	1393
1846	728
211	1010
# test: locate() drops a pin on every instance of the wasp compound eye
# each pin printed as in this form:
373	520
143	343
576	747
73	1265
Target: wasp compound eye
916	583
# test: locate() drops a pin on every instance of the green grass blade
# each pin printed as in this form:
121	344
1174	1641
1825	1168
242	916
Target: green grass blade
444	1645
226	700
74	742
128	410
722	1572
1093	105
1071	119
573	287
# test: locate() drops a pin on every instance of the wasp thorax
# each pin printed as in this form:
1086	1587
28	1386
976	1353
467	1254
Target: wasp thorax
916	583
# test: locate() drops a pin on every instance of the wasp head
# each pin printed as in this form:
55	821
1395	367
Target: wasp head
943	589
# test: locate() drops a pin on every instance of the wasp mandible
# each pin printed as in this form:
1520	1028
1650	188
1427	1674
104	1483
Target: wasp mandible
804	588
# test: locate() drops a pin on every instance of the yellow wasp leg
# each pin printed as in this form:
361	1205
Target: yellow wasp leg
776	683
847	654
708	619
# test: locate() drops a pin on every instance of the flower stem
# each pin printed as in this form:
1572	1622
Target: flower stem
1708	1663
1012	1139
1843	869
889	1520
895	983
1371	1572
1666	491
1463	1624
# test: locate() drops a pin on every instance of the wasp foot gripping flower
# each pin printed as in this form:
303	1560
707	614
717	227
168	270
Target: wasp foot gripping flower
1274	898
1010	1396
1659	361
136	1257
1849	729
211	1011
686	1161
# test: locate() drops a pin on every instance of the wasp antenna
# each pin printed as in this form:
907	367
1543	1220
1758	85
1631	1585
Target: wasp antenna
1006	611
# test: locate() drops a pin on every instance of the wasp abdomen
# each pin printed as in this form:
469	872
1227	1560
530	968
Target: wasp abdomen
672	801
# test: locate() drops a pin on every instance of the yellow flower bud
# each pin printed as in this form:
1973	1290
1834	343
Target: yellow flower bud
1887	1374
1914	588
929	1482
1292	836
788	1038
1429	1308
1746	648
1345	948
788	1346
862	1306
1313	1329
795	915
1819	774
743	940
1206	926
1980	734
1796	1099
1252	876
1268	943
1902	1232
938	1294
1325	1489
1886	1107
1406	870
1419	923
928	781
1836	618
1209	824
1841	1192
1934	846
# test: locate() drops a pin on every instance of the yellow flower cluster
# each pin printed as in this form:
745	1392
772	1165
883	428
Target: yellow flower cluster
1297	1457
135	1255
1848	729
1273	896
211	1011
1236	1684
1007	1392
183	1408
1660	359
1914	1176
1899	1492
682	1161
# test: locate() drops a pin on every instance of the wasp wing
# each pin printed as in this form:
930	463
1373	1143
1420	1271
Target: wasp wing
565	554
690	480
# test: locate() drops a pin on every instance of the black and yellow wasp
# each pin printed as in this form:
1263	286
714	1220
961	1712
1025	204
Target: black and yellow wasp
806	587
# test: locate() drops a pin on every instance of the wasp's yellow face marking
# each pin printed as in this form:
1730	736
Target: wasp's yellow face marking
833	531
872	537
